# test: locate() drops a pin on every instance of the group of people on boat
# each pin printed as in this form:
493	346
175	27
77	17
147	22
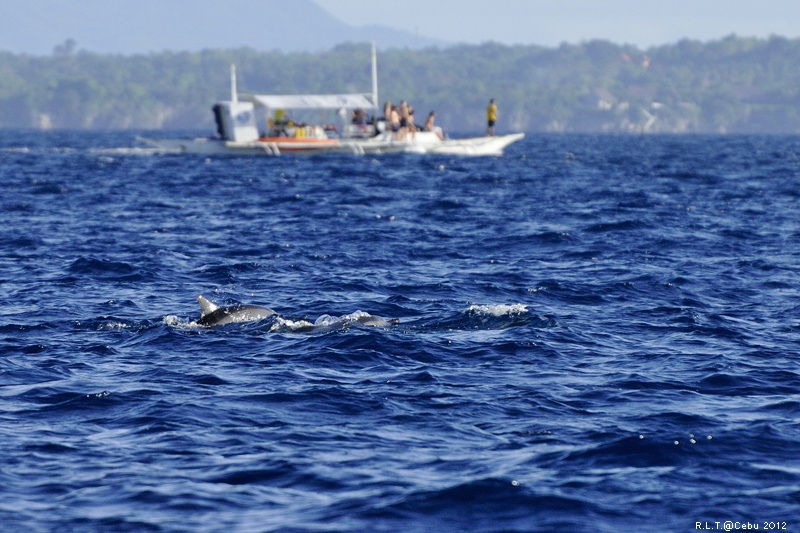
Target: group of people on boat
399	120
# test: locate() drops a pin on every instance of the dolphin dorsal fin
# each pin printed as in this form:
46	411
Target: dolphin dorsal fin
206	306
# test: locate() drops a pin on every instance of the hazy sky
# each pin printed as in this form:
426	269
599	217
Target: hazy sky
551	22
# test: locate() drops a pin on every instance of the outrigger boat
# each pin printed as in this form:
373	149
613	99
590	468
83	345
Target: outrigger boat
237	122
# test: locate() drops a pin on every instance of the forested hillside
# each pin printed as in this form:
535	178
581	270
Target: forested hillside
731	85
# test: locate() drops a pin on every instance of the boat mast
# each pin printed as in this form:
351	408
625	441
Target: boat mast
375	79
234	96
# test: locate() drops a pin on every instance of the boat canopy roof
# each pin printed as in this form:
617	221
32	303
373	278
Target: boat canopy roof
312	101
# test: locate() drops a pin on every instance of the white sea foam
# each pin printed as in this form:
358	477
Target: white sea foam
498	309
177	322
113	325
283	324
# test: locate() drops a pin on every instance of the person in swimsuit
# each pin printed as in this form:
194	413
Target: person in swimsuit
394	120
401	133
429	124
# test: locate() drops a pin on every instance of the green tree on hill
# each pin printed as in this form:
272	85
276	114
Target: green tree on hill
729	85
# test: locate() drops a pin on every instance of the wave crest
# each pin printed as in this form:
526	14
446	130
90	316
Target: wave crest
498	310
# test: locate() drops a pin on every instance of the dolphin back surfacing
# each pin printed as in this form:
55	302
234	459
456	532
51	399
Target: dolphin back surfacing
213	315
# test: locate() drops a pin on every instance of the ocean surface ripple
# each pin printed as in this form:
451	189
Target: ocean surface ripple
594	333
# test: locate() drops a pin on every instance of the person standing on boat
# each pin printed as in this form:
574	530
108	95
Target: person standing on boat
411	126
491	117
401	134
359	117
280	123
384	124
394	121
429	124
429	121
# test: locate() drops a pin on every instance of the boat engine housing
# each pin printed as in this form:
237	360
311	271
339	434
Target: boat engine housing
236	121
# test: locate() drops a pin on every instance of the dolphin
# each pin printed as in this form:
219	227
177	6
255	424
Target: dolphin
213	315
377	321
371	320
359	317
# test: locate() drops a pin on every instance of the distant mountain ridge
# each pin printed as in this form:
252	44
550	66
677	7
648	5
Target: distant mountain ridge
128	27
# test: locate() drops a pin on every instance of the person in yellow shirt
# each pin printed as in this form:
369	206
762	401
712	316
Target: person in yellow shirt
491	117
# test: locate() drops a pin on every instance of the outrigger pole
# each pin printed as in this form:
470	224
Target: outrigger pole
375	79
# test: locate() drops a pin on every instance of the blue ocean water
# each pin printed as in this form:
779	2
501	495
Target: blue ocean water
596	333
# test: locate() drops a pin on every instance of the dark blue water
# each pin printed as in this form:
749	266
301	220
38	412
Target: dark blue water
595	334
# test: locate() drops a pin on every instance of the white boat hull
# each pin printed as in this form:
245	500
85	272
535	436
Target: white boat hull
420	143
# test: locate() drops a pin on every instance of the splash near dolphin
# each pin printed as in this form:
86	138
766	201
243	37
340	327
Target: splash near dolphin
214	315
